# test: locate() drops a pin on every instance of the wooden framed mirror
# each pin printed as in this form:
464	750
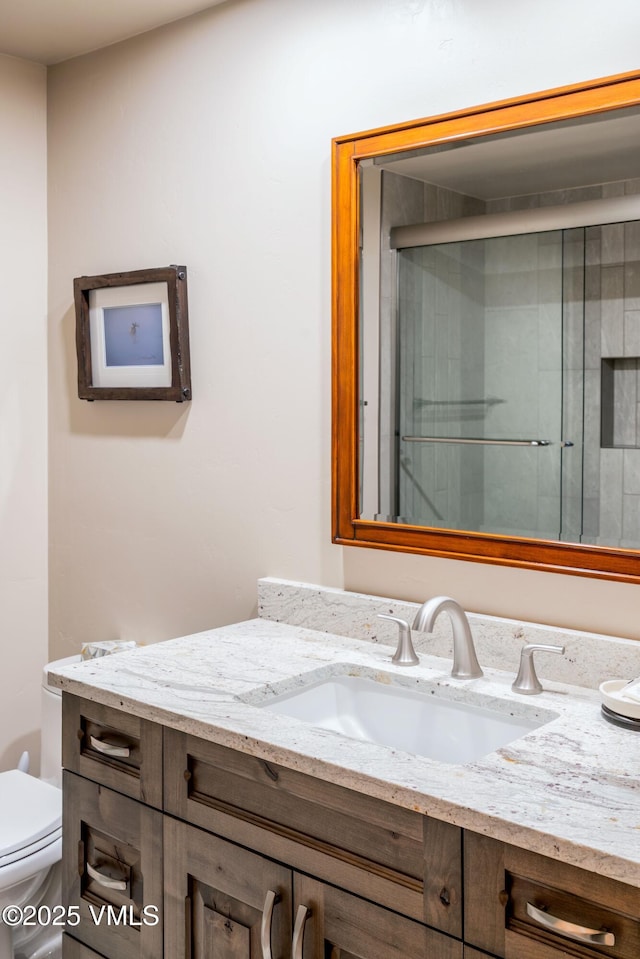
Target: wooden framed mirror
561	167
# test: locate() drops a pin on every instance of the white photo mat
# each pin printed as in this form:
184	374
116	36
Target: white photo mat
110	374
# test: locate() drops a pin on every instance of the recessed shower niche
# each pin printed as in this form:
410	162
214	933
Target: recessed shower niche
620	379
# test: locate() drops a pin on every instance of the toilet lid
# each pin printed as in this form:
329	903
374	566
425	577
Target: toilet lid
30	810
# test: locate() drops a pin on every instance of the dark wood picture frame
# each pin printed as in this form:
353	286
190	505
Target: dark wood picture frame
177	365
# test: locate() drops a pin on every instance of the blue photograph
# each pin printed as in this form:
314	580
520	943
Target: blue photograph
133	335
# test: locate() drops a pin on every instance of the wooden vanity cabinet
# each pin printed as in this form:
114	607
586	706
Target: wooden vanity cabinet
354	874
225	902
251	860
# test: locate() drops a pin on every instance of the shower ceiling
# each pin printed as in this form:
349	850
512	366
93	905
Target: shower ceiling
552	157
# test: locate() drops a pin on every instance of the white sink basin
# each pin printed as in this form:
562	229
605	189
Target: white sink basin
422	723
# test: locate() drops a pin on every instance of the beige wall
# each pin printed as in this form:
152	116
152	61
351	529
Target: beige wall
23	398
208	143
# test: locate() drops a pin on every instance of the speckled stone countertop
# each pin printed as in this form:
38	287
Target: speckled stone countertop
569	790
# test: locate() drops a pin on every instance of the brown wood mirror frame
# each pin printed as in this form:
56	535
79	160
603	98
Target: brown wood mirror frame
348	529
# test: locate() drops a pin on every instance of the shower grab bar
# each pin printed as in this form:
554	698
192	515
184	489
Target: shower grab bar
477	442
489	401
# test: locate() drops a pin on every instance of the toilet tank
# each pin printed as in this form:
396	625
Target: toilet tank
51	729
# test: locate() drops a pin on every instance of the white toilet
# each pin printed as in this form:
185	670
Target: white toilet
31	842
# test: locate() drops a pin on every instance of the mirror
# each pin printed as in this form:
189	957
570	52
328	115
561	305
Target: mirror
486	339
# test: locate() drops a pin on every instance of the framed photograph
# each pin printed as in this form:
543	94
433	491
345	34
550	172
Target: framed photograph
132	335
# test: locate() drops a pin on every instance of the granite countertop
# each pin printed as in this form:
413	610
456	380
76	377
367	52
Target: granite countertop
569	790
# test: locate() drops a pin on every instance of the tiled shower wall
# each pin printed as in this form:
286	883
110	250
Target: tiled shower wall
523	360
612	335
442	369
601	490
436	485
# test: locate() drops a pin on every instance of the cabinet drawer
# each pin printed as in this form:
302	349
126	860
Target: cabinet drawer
521	905
382	852
576	925
112	870
112	747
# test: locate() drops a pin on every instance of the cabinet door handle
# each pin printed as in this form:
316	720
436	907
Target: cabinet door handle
106	881
302	915
109	749
265	925
570	929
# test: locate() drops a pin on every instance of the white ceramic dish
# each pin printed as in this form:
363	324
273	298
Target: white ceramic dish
611	692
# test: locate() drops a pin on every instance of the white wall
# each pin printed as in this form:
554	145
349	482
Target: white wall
23	399
208	143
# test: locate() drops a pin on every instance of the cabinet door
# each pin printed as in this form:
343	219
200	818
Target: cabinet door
223	901
333	924
112	871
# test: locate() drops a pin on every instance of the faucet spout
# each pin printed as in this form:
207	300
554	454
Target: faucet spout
465	661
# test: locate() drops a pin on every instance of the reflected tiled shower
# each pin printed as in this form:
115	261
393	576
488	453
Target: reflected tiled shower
535	337
480	402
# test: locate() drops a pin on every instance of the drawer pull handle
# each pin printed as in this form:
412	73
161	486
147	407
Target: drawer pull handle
106	881
109	749
302	915
265	925
570	929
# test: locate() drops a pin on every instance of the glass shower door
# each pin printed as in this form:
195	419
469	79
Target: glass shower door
482	336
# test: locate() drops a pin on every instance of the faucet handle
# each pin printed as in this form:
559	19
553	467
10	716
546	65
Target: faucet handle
405	654
527	682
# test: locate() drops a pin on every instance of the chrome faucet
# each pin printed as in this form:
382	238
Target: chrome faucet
465	661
